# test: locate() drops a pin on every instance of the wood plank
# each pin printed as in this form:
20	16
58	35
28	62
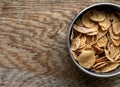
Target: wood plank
33	48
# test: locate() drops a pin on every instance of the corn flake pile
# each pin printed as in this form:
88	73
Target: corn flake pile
95	40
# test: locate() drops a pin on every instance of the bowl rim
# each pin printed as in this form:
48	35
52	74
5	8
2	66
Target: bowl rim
68	39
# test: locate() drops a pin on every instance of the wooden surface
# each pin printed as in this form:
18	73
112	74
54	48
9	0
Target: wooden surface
33	48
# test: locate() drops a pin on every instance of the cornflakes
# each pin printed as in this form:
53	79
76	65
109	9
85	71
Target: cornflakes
95	40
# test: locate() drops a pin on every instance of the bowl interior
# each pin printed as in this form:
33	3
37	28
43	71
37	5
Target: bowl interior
107	6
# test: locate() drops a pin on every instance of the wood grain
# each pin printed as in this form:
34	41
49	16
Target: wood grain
33	48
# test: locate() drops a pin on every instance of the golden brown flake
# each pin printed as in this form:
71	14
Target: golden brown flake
87	21
74	55
105	24
114	51
114	36
101	33
109	67
82	41
114	41
75	43
97	16
97	49
116	27
100	65
86	59
108	56
102	42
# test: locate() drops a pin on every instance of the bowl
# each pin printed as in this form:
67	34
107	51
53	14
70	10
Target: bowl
94	6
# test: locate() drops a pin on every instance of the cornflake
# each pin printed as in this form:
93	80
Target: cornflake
102	42
97	16
87	21
86	59
105	24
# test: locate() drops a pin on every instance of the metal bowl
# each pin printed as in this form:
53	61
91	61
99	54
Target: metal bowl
101	6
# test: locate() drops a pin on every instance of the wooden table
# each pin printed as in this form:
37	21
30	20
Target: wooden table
33	48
